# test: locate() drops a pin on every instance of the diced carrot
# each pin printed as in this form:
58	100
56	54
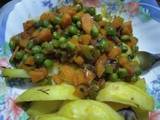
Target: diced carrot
68	9
74	76
127	28
42	36
85	39
28	25
66	20
123	60
29	61
133	41
117	22
79	60
87	23
38	74
23	42
100	65
47	16
115	51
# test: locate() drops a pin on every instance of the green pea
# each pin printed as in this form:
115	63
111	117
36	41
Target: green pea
78	7
97	17
94	31
103	44
25	57
39	58
13	42
57	20
46	23
55	43
125	38
62	40
56	35
124	48
135	49
122	72
111	31
36	49
75	18
19	55
109	69
30	44
71	46
47	47
78	24
91	11
48	63
73	30
114	77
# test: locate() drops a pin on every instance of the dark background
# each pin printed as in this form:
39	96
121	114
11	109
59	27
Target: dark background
2	2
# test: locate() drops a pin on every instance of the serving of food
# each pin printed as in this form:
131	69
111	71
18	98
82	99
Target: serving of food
82	64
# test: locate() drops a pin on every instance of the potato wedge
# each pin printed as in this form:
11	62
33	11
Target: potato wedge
52	117
46	93
88	110
126	93
43	107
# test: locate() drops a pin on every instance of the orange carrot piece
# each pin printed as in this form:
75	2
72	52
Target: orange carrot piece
127	28
29	61
100	65
23	42
85	39
68	9
123	60
115	51
28	25
38	74
42	36
79	60
66	20
133	41
47	16
117	22
87	23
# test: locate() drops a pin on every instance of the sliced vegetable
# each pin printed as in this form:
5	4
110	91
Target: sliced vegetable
52	117
15	73
47	93
88	110
43	107
125	93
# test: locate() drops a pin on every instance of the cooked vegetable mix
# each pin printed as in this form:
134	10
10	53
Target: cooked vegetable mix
83	55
